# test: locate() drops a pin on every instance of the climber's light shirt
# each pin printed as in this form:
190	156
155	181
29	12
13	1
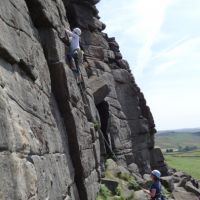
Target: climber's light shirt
74	41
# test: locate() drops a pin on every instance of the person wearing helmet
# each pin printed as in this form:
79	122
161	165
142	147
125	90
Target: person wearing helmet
74	39
155	189
74	48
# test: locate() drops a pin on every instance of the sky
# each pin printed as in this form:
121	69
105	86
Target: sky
161	41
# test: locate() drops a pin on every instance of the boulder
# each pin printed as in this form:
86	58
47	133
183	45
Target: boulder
126	193
123	64
85	15
195	183
111	165
109	55
133	168
179	174
94	40
147	177
167	181
118	55
114	46
121	76
139	179
182	181
140	195
190	188
116	169
181	194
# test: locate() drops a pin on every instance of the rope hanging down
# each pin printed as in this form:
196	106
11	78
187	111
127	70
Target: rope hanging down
108	145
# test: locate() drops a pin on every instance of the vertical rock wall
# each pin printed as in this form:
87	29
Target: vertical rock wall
34	154
130	129
51	143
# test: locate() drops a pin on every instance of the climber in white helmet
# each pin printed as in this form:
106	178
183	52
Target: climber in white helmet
75	54
74	39
155	190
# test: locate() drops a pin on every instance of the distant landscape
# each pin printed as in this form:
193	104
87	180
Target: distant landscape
181	149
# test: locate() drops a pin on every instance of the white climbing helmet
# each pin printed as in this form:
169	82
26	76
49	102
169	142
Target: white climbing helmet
77	31
156	173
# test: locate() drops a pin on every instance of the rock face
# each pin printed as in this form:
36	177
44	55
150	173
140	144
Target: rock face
54	133
157	161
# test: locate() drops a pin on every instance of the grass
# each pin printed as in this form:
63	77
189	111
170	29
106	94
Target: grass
97	125
126	183
104	193
188	162
165	192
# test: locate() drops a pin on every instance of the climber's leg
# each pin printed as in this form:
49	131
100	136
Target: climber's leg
71	61
77	63
75	56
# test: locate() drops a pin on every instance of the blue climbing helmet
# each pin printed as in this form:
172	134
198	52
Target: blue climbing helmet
156	173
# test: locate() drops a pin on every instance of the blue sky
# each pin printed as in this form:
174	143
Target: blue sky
161	41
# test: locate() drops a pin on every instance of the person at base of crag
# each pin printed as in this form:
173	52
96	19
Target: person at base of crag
155	190
75	54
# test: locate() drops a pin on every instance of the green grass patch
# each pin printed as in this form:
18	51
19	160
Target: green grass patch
187	161
126	183
133	185
188	164
104	193
97	125
123	176
165	192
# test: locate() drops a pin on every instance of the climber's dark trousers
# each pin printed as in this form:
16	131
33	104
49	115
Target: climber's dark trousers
75	57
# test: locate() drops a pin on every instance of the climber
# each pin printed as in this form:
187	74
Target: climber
75	54
155	189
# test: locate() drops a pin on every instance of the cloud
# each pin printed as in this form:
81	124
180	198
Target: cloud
151	15
163	68
139	21
182	55
181	48
161	41
170	47
114	18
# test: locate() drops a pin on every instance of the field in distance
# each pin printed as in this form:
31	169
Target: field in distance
176	138
177	148
188	162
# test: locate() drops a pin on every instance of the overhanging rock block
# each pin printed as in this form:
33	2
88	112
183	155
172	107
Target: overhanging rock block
99	89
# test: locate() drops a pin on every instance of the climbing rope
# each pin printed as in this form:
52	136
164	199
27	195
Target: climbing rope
85	102
82	90
108	145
